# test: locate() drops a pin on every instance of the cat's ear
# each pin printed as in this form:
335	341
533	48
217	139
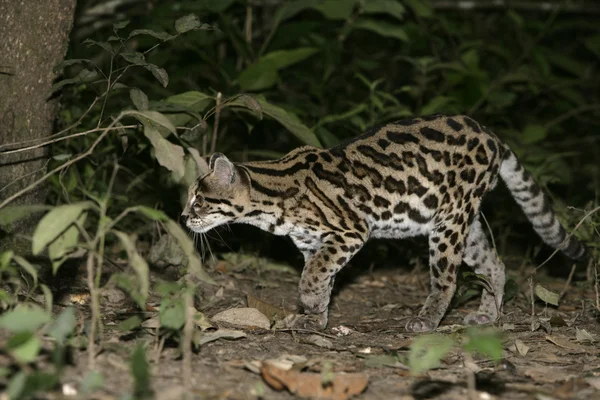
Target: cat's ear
214	157
222	169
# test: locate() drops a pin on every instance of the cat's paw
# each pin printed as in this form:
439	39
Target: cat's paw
311	322
478	318
420	324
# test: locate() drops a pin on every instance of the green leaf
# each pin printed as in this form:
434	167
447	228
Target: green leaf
164	36
290	122
216	6
421	8
258	76
85	75
511	289
28	267
130	285
120	25
24	318
129	324
487	342
566	63
24	347
172	313
16	386
139	99
59	248
263	74
547	296
188	247
92	381
5	258
335	9
435	105
390	7
533	134
187	23
284	58
139	265
134	57
427	351
382	28
155	215
248	102
160	74
106	46
169	155
64	324
152	116
593	44
55	222
141	373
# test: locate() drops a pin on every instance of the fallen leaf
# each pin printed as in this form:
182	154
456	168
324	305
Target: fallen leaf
383	361
565	343
546	295
508	327
318	341
521	347
272	312
584	336
557	320
203	338
547	374
568	389
341	386
243	317
342	330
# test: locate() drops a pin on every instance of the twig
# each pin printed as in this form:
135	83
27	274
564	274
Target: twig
63	166
188	332
567	283
213	142
571	113
26	175
74	135
91	348
25	142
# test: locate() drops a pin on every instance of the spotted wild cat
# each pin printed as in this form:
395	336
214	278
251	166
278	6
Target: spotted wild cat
424	176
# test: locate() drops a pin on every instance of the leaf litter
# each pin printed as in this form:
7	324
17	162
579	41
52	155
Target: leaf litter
237	361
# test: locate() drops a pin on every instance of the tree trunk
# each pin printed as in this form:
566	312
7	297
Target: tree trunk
35	35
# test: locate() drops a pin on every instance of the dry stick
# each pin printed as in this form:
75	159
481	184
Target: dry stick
26	175
63	166
95	307
567	283
74	135
566	238
188	332
213	143
86	112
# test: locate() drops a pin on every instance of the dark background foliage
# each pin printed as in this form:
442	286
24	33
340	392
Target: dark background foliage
340	67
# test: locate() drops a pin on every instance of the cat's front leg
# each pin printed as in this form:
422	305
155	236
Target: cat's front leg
318	276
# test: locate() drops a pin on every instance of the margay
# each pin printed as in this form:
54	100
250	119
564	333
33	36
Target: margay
424	176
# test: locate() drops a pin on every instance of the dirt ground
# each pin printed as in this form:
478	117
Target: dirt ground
559	360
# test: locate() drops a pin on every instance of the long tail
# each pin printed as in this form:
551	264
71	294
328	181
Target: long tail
537	207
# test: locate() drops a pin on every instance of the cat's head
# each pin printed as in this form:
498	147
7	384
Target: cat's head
218	197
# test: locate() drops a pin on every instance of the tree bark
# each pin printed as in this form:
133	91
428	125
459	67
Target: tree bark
35	35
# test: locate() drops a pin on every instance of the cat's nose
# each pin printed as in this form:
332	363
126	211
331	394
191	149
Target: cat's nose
184	216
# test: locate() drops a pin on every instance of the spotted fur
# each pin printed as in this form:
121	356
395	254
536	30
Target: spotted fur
424	176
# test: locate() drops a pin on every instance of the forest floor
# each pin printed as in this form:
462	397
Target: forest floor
365	343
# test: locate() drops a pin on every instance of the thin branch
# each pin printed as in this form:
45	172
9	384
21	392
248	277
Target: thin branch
74	135
213	142
63	166
25	142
